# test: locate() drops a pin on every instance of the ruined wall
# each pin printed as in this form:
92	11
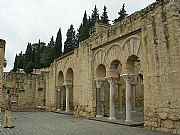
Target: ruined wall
28	89
161	88
2	52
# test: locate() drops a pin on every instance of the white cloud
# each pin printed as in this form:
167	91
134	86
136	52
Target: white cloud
23	21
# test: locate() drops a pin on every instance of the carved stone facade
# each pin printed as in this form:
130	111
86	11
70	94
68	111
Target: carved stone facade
93	80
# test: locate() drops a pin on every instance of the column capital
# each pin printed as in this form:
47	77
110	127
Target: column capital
128	77
59	88
68	83
111	80
99	82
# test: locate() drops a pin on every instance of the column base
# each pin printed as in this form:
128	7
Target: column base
58	110
112	118
67	111
99	116
129	120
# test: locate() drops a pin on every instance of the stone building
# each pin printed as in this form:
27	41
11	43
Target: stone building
133	63
139	55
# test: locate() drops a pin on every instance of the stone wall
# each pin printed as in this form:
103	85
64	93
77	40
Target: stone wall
29	90
152	35
146	44
2	52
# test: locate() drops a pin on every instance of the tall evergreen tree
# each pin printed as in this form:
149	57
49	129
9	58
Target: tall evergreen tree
122	14
47	56
15	64
28	62
37	55
70	42
20	59
94	18
58	45
104	18
83	31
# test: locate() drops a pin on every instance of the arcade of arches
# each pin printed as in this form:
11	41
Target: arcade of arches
132	65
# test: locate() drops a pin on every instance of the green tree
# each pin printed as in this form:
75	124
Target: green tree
20	60
94	16
70	42
28	61
83	31
122	14
58	45
15	64
37	49
104	17
47	56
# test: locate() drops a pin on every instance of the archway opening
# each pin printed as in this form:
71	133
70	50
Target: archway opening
100	71
133	65
60	92
69	85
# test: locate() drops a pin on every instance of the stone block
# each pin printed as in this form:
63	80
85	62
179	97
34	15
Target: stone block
169	124
173	116
163	116
177	125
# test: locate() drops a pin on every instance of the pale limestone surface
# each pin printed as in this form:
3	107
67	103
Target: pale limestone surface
145	44
2	51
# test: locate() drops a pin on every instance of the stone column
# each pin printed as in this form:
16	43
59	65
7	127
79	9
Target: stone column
98	97
59	99
67	86
120	98
133	98
67	98
112	82
128	78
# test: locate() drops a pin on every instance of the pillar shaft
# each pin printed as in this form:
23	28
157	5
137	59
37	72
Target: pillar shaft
67	98
59	99
119	98
128	102
133	98
98	97
128	78
112	98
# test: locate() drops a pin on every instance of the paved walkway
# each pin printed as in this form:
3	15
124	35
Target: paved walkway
48	123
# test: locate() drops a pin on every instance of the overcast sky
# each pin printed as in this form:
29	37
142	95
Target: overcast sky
23	21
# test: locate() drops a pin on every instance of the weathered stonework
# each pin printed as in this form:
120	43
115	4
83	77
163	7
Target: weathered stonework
28	89
145	45
2	51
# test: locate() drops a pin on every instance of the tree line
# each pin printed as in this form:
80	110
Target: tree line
39	55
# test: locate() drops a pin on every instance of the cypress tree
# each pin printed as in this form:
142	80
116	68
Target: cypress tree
47	56
15	64
20	60
122	14
83	31
58	45
94	18
104	17
70	42
37	55
28	62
